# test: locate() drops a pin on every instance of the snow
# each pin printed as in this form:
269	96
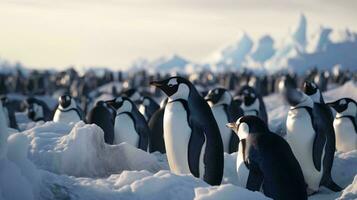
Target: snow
80	151
351	191
227	192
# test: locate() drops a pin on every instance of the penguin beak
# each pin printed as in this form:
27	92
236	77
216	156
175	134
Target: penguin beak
331	104
211	97
158	84
232	126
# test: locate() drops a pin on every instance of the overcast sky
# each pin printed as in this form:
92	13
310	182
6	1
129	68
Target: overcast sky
43	33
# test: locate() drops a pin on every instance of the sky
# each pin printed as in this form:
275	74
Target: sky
114	33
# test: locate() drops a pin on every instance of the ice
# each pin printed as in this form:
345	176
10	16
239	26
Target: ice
80	151
299	36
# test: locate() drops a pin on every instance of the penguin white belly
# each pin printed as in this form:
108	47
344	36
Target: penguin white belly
124	130
300	136
346	137
177	133
222	119
242	170
66	117
201	164
252	109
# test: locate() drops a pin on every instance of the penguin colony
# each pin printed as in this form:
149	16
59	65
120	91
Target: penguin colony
198	120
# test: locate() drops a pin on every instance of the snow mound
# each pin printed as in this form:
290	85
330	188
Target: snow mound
19	178
351	191
80	151
227	192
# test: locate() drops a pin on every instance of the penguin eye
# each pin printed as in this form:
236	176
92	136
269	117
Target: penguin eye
216	91
343	102
252	95
172	82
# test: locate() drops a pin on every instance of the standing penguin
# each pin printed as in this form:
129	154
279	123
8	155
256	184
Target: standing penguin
147	107
38	110
345	124
310	139
225	110
9	111
326	141
192	139
265	159
156	125
103	115
252	103
67	110
130	125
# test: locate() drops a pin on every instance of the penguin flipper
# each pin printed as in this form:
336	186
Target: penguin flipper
317	150
233	143
195	144
255	178
330	184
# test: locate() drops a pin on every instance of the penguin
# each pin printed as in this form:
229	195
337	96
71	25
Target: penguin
156	126
252	103
324	125
68	111
192	139
103	115
265	160
38	110
9	111
147	107
130	125
310	139
345	124
224	110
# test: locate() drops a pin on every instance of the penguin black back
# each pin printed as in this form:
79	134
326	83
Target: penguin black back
103	115
156	125
270	161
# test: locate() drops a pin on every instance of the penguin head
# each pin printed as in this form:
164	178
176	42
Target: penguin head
312	90
65	101
122	104
34	109
344	106
247	125
248	95
218	96
174	87
132	94
146	101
